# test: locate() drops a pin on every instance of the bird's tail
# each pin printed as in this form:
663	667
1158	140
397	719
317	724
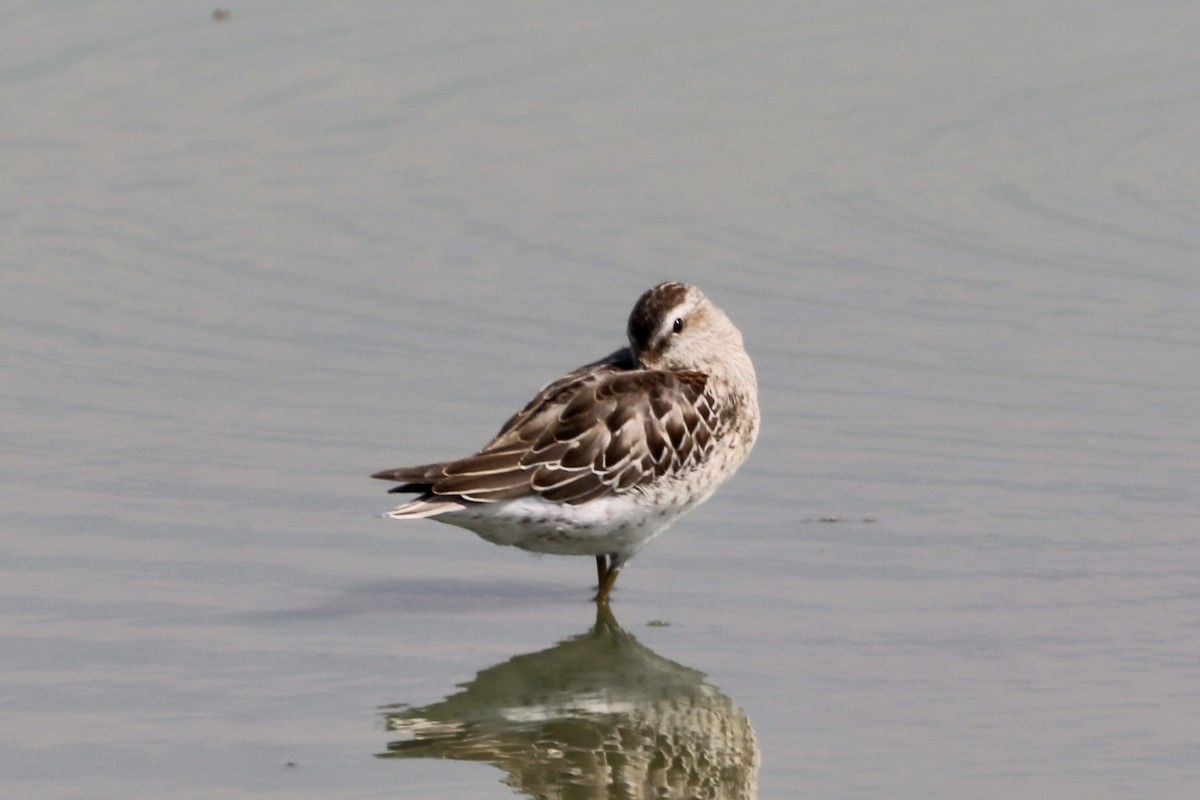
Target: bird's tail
412	479
418	480
421	507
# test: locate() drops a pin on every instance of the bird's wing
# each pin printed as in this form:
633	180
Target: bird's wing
540	410
604	431
549	399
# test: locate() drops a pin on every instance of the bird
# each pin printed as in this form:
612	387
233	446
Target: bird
607	457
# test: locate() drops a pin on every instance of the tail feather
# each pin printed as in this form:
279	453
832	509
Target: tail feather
424	507
419	480
422	475
412	488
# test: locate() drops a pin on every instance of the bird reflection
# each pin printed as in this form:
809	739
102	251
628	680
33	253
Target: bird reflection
596	716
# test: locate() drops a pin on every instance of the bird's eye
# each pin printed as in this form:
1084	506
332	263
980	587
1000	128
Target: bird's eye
678	326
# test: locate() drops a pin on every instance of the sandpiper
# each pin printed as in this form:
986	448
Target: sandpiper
605	458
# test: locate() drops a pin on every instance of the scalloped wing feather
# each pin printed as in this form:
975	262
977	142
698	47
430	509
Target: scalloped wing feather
600	431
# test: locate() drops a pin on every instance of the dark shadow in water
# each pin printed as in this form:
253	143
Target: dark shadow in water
596	716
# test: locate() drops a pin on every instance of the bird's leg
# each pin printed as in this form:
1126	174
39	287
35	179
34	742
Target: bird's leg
601	569
608	578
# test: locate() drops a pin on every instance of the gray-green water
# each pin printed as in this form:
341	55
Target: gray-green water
248	262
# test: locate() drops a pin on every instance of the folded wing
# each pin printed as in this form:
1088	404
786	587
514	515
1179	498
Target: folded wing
603	430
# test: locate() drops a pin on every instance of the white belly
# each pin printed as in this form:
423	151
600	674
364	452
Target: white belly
612	525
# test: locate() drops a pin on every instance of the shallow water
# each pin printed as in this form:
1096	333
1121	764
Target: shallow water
251	261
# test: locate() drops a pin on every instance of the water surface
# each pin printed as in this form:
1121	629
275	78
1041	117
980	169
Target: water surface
248	262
